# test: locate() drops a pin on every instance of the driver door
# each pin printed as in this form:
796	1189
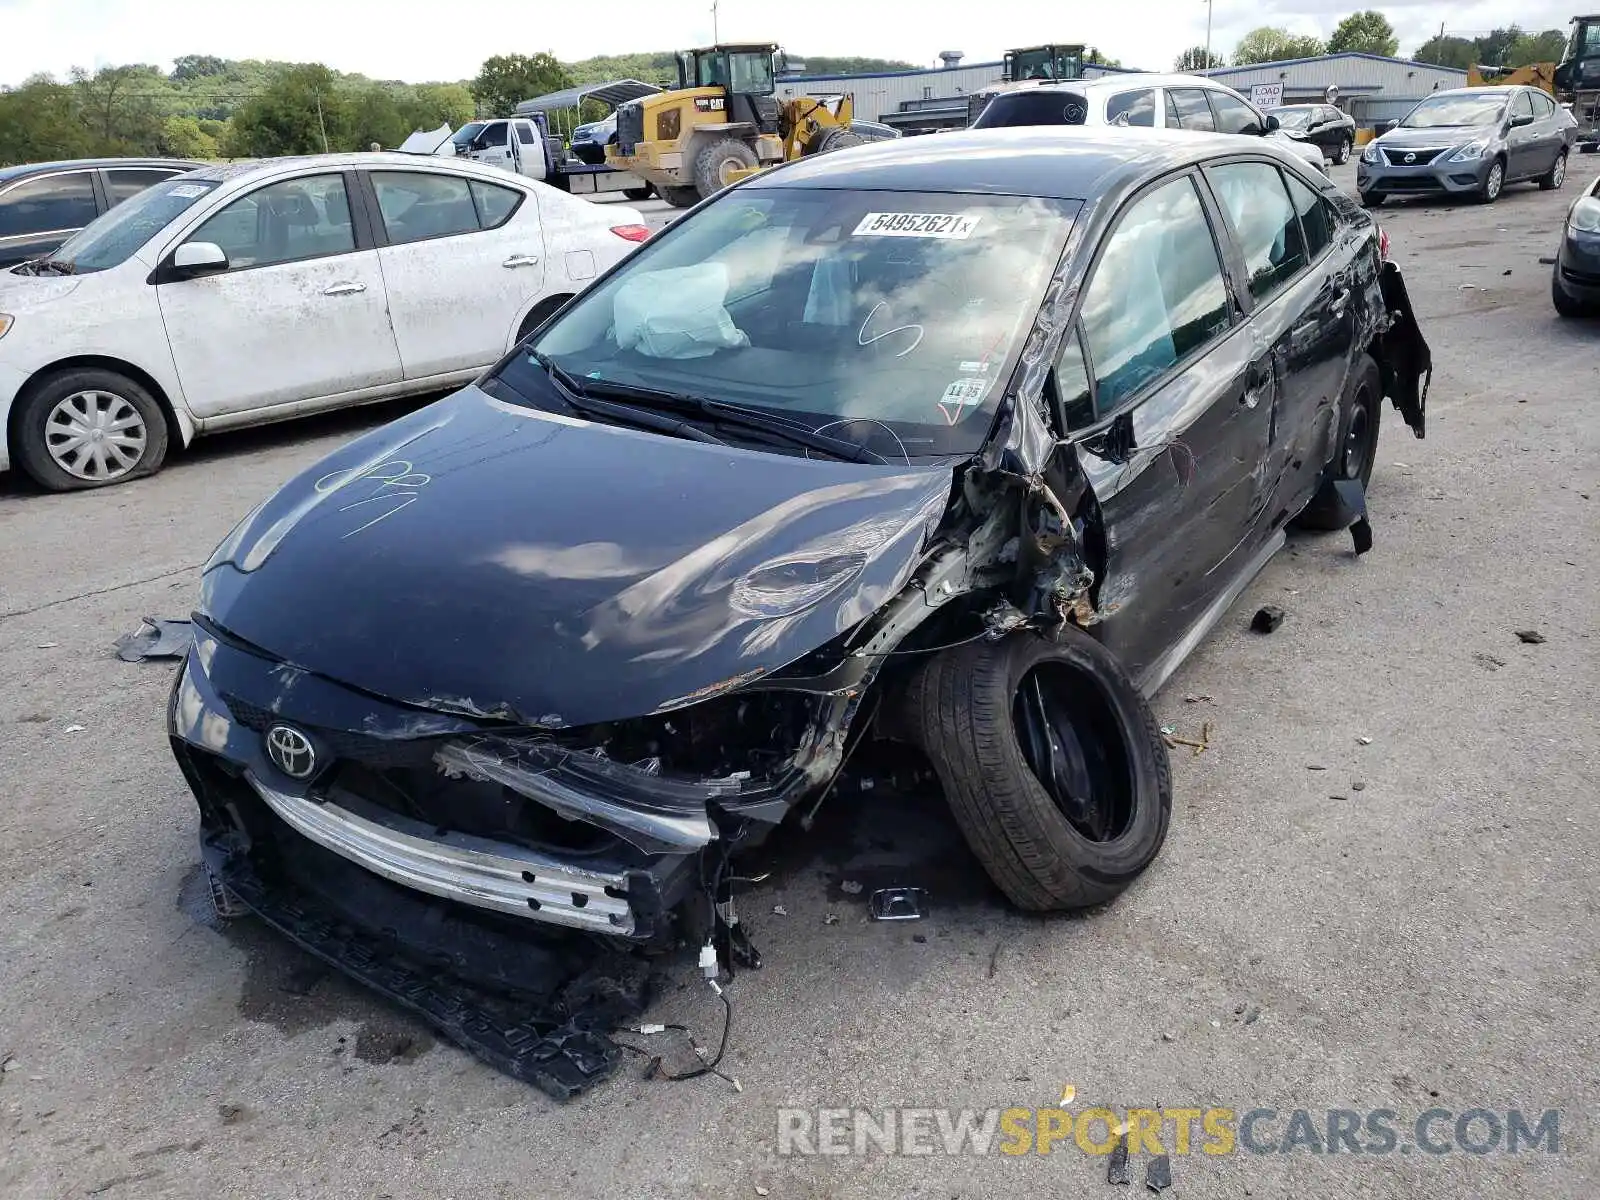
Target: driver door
1522	143
493	145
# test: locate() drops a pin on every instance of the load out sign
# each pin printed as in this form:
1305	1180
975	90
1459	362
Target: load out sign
1266	95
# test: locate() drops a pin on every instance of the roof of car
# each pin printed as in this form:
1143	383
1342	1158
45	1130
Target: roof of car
1079	163
351	159
22	169
1131	79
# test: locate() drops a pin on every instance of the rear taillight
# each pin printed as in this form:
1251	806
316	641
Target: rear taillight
1383	244
631	233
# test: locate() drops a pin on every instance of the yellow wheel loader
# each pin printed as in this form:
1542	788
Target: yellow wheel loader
722	123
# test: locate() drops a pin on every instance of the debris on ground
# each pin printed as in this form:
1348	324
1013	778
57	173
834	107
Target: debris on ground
898	904
1252	1014
1268	617
830	919
779	910
1364	740
1547	260
761	1191
156	638
1197	698
1174	741
1158	1173
1315	767
47	645
850	887
1531	636
75	729
1169	1036
1488	661
1358	785
1117	1167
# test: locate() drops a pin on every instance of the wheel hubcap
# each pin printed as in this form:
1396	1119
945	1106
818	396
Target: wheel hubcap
1496	175
1355	440
1559	175
95	435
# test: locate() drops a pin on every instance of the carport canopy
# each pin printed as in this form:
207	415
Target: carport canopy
618	91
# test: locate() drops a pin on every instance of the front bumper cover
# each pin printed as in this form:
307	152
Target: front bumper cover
1437	176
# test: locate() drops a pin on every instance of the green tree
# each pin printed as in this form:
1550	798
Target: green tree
1537	47
303	111
1368	32
1272	44
183	137
196	66
40	121
1093	57
508	79
1447	51
1196	58
823	64
432	104
120	106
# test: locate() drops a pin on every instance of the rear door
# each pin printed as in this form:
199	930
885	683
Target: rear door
299	315
37	214
529	148
1524	149
460	259
1163	382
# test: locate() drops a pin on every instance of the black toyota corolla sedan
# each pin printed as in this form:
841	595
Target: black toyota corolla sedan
955	444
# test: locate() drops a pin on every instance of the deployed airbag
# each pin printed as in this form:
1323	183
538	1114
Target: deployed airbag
676	313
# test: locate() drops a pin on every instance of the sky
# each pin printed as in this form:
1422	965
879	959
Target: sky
417	41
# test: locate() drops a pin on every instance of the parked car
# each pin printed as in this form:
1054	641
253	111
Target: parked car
961	443
588	142
43	204
1575	279
1469	142
280	288
1189	102
1322	125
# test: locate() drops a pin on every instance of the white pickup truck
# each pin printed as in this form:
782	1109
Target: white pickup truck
525	146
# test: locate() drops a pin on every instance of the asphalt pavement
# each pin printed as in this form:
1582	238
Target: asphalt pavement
1378	894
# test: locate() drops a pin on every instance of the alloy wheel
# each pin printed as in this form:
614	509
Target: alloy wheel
95	435
1496	180
1558	173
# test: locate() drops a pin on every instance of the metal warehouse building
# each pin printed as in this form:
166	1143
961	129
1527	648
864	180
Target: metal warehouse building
1371	88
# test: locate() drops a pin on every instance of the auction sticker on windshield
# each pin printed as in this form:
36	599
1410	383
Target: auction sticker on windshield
950	226
186	191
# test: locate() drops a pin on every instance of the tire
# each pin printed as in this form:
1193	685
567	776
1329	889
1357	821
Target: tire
1567	305
1372	199
1360	413
1342	155
965	709
835	139
1556	175
1493	183
639	193
681	197
715	160
131	425
540	313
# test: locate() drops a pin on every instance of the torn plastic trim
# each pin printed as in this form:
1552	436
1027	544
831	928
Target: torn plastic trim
454	866
1403	356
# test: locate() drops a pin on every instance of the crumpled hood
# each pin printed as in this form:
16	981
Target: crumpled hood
483	558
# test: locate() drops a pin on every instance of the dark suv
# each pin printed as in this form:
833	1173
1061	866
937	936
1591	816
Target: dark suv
43	204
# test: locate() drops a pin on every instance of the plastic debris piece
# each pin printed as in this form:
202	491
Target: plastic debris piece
156	638
898	904
761	1191
75	729
1531	636
1168	730
1252	1015
1117	1167
47	645
831	919
779	910
1364	740
1358	786
1268	617
1315	767
1158	1173
1169	1036
850	887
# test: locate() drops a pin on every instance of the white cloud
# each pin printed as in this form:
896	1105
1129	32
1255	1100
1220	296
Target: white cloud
409	39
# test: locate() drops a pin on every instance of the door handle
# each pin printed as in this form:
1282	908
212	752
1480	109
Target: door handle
344	289
1341	298
1256	379
521	260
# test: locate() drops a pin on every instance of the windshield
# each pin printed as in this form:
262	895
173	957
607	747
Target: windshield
110	240
1047	63
1292	118
1437	112
891	319
464	135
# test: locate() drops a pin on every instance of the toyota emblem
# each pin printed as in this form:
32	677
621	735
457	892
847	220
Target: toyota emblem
1411	158
291	752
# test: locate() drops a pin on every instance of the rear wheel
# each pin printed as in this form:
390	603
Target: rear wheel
1342	154
681	197
1357	447
639	193
716	164
836	139
1493	183
89	428
1556	175
1052	763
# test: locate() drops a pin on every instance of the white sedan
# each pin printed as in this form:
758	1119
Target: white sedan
253	292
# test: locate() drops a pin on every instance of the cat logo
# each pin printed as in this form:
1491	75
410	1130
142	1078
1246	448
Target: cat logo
710	104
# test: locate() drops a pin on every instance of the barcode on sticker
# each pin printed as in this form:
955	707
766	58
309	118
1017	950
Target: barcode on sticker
951	226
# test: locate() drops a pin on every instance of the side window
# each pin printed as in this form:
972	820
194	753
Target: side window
1132	108
1072	384
1258	208
525	133
494	134
53	203
1543	106
1234	115
1157	293
1316	218
1523	106
418	206
495	203
127	182
282	222
1193	111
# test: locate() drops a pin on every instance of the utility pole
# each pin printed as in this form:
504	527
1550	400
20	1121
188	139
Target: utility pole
1208	38
716	39
1438	47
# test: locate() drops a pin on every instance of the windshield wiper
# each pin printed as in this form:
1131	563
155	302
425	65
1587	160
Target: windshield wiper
576	397
732	414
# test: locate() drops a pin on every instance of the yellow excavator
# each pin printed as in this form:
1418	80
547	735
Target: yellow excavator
722	123
1539	75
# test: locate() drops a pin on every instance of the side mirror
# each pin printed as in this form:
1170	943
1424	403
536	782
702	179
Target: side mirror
1521	119
1273	124
193	259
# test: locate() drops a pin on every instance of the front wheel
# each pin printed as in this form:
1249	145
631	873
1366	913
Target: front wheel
681	197
718	164
1494	183
1556	175
1053	765
639	193
89	428
1355	451
1342	154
